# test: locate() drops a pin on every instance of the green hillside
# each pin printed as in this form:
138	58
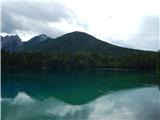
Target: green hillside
76	42
74	50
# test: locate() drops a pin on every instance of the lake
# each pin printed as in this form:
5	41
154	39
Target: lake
84	94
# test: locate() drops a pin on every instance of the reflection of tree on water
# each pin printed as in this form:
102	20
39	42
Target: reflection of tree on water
73	86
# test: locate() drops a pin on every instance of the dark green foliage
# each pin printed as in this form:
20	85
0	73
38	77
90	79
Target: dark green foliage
158	63
77	49
75	42
144	60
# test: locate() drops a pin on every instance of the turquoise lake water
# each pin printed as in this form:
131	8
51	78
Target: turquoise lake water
85	94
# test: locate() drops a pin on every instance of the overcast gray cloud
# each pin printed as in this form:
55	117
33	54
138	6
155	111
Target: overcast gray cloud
34	17
128	23
146	37
148	34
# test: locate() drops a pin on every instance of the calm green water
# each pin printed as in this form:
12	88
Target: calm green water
99	94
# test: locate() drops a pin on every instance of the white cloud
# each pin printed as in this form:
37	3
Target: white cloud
121	22
126	23
146	37
33	18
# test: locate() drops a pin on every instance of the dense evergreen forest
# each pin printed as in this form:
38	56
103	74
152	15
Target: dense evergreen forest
73	50
44	60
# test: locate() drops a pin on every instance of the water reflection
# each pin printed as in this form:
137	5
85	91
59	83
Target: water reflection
132	104
74	87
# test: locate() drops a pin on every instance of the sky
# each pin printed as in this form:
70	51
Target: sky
127	23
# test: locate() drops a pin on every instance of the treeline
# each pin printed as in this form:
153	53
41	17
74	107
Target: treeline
158	63
82	59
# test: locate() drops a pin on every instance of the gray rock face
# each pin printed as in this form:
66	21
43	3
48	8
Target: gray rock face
11	43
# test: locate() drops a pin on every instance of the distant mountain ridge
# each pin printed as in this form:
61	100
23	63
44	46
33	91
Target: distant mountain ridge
67	43
35	40
11	43
75	50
